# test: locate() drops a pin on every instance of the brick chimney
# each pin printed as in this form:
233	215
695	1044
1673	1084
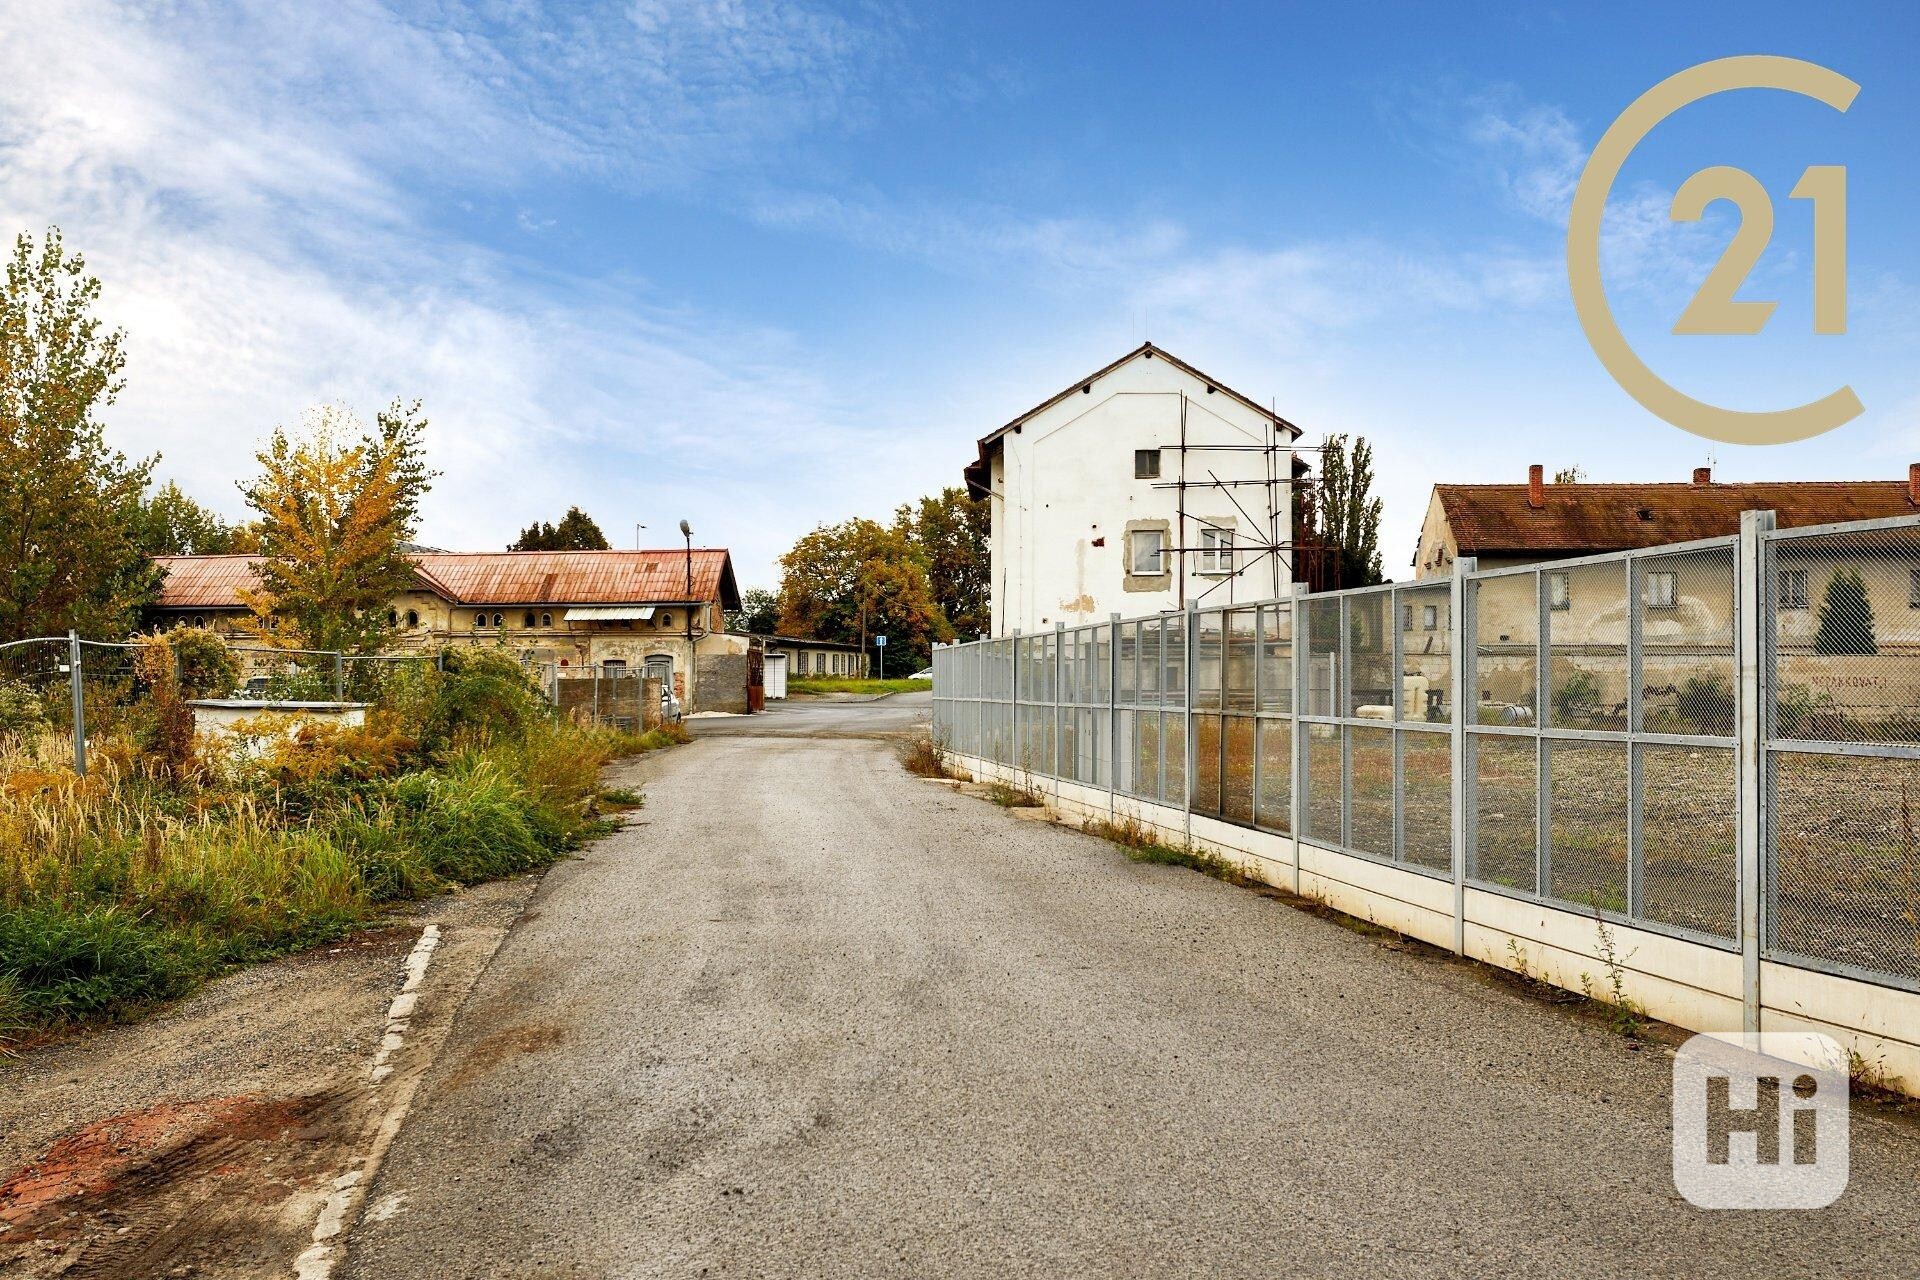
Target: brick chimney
1913	484
1536	486
1703	475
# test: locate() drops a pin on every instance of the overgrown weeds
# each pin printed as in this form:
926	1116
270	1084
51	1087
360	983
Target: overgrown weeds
923	759
1625	1015
177	857
1141	844
1011	797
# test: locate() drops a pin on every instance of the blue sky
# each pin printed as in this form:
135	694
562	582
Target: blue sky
767	265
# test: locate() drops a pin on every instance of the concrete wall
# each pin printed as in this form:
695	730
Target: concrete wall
1065	494
1687	983
722	683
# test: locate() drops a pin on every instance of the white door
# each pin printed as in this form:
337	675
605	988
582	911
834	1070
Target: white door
774	676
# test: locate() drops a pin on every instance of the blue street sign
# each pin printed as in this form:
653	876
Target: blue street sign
880	641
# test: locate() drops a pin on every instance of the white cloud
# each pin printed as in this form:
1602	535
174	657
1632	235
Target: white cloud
257	189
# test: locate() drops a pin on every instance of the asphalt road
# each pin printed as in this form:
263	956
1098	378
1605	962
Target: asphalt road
820	1018
789	718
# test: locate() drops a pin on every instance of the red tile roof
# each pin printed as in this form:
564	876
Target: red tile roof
1489	519
494	577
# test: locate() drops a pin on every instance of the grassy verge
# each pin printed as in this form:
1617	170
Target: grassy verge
177	858
852	684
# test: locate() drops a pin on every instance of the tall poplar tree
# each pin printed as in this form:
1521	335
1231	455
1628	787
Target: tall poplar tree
69	507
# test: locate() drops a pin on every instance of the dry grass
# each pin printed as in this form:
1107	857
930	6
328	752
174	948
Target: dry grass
140	880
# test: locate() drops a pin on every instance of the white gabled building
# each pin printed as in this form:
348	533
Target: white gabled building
1135	490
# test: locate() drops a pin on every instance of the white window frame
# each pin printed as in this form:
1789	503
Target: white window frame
1429	617
1663	589
1135	549
1794	596
1216	551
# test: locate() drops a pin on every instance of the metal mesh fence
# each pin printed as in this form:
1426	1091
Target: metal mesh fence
1600	743
1843	748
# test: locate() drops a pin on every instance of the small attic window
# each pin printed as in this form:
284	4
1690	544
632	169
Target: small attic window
1646	513
1087	390
1146	464
1209	389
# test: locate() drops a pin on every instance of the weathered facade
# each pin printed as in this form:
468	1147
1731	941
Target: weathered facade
569	612
1686	603
1139	487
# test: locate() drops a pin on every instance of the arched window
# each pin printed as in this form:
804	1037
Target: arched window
393	617
413	617
496	620
199	619
527	621
666	619
546	619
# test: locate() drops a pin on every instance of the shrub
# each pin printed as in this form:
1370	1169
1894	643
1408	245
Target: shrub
206	666
1846	616
1707	704
166	728
1576	696
21	711
481	695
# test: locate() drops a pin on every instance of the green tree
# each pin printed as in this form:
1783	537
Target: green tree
852	581
1347	512
336	504
69	510
172	524
949	530
575	532
758	614
1846	616
1570	475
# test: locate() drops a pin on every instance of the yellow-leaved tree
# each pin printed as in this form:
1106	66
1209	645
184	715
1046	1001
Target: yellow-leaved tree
336	506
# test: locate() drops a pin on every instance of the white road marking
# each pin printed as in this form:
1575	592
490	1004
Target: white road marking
349	1189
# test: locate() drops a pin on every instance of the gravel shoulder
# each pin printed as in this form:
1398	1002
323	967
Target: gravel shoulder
817	1017
201	1140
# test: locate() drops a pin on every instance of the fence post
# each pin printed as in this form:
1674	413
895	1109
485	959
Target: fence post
1464	702
339	678
1192	624
1750	640
79	704
1016	751
1113	713
1297	758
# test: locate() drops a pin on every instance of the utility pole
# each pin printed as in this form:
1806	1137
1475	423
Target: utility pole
686	531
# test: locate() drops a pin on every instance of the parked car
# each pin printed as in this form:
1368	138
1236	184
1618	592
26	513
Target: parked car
670	709
922	675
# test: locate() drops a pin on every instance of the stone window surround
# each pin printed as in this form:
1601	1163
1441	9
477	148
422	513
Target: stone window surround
1162	581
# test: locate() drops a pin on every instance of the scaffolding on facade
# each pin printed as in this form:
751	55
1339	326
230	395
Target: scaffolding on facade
1283	547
